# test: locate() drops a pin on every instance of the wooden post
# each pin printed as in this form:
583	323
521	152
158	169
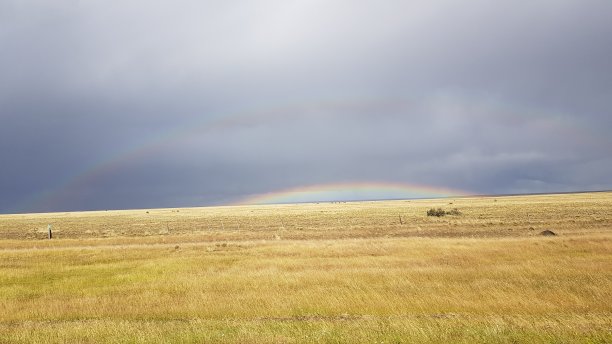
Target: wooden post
400	217
50	231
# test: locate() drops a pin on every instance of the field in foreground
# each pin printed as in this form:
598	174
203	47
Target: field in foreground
343	272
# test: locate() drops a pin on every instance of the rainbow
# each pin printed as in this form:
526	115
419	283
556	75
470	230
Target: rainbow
72	185
351	191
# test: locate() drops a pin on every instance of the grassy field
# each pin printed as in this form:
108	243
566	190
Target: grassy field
379	272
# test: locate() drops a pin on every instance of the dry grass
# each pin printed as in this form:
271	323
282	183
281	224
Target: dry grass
346	272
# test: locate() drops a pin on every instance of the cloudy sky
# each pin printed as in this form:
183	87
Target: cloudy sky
135	104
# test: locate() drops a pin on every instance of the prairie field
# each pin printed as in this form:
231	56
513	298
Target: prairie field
355	272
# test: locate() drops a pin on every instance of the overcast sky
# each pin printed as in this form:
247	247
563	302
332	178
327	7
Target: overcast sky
134	104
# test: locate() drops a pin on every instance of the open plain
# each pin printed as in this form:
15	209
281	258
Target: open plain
381	272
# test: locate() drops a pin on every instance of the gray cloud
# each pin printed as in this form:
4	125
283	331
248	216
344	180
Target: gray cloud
497	97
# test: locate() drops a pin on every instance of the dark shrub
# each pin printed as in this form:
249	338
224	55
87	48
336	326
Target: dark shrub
441	212
436	212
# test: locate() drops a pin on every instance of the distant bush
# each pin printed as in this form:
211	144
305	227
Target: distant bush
441	212
436	212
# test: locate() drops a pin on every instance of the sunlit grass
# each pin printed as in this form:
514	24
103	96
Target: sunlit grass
393	283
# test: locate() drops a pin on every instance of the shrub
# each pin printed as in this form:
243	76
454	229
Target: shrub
436	212
441	212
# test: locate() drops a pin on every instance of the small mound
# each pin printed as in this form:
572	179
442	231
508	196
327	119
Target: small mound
548	233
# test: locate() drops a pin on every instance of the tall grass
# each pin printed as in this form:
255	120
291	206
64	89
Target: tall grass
344	285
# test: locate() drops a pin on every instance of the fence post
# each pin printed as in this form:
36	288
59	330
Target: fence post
50	231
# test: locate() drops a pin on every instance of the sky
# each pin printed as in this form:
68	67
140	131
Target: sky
139	104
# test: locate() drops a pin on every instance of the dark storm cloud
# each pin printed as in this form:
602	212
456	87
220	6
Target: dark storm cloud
492	97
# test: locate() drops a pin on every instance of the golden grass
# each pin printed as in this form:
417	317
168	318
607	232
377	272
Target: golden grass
347	272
